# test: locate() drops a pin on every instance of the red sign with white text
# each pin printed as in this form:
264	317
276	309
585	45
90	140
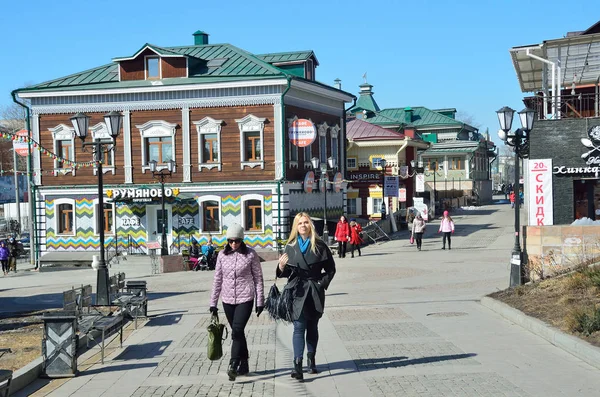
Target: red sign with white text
21	147
540	193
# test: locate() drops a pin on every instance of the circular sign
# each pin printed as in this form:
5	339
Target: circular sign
309	181
337	182
302	133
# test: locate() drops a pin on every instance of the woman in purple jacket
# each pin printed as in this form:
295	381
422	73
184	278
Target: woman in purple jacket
4	255
238	280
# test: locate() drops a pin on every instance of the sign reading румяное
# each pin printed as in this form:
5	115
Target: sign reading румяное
140	195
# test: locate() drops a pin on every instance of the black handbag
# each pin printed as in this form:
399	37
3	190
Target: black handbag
279	305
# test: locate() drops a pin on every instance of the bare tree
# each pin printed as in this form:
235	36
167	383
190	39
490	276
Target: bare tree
467	118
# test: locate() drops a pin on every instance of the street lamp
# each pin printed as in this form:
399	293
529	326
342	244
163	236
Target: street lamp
435	167
519	140
382	164
81	124
162	174
322	168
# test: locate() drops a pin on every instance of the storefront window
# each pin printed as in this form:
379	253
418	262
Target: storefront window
65	218
211	216
586	193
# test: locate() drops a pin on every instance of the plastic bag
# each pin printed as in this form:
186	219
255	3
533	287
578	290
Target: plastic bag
215	338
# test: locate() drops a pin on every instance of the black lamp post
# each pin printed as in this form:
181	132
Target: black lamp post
519	139
383	164
81	124
323	178
162	174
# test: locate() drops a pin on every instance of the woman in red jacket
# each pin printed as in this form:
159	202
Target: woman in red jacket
342	236
355	239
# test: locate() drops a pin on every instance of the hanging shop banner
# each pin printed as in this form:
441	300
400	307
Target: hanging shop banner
337	182
140	195
302	132
390	186
309	181
420	206
420	182
402	195
404	171
540	192
22	147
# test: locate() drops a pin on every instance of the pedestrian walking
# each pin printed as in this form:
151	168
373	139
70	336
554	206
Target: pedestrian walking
355	238
418	229
446	227
342	236
4	255
309	267
13	247
238	280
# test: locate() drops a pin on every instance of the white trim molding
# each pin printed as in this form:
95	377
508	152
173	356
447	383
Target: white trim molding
156	129
127	146
63	132
206	126
185	134
335	143
251	123
100	133
261	199
57	203
323	127
292	147
201	200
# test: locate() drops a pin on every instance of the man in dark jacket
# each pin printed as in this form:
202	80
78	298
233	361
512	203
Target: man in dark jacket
13	247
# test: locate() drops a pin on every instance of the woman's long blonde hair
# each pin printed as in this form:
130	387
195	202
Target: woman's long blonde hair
293	239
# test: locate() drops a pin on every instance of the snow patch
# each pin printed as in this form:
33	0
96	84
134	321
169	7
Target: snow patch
585	222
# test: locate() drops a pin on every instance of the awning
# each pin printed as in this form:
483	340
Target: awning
443	151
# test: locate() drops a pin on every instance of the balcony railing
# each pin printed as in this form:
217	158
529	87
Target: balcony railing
576	106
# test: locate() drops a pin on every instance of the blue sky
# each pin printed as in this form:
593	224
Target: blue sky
436	54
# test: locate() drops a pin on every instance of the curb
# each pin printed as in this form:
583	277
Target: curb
571	344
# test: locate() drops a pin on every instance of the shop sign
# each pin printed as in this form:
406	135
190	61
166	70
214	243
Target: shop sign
309	181
140	195
371	177
337	182
420	183
20	147
133	221
421	207
540	193
302	132
390	186
402	195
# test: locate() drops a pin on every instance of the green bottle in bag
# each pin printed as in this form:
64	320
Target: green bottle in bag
215	338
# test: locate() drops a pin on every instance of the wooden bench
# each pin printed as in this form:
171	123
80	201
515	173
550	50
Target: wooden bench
134	302
89	319
5	379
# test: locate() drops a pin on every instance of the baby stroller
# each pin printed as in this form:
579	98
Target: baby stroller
199	263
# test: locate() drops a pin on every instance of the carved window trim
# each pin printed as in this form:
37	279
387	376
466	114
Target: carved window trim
292	148
251	123
206	126
63	132
156	129
201	201
253	197
58	214
323	127
100	132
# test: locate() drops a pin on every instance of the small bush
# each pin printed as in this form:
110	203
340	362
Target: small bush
593	275
585	320
577	281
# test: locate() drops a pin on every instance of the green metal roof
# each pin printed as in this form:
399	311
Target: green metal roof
457	150
295	56
421	117
158	50
365	102
206	64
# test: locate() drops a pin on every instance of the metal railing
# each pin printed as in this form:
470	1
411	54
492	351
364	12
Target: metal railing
133	247
575	106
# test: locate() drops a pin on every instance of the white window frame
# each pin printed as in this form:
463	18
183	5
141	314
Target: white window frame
260	198
376	209
348	165
353	200
100	133
63	132
335	143
293	148
114	216
323	127
156	129
73	205
251	123
207	126
146	67
201	201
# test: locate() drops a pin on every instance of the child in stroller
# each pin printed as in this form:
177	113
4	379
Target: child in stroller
197	258
208	251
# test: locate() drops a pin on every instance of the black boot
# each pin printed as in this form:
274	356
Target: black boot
232	369
312	366
297	371
243	368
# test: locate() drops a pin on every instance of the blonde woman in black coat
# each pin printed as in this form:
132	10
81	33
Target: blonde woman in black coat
309	266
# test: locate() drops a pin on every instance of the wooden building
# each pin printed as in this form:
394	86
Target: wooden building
222	114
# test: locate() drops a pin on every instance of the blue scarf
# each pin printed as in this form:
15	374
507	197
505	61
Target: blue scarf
303	244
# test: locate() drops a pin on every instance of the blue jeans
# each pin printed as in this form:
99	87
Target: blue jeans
303	326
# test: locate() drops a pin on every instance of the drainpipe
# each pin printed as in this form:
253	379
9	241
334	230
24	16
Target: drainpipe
554	93
283	166
34	252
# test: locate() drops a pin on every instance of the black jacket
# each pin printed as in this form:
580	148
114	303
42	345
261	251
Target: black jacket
309	276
